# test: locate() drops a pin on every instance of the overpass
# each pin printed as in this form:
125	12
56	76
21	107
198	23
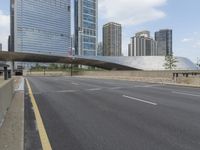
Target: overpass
105	62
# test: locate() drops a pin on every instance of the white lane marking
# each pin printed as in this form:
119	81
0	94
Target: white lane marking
66	91
75	83
94	89
146	86
62	91
140	100
183	93
115	88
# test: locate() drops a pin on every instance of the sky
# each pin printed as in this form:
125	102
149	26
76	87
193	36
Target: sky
182	16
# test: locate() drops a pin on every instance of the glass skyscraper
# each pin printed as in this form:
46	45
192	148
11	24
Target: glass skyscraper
164	39
41	26
86	27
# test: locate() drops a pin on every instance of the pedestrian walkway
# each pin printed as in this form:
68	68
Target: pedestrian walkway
12	130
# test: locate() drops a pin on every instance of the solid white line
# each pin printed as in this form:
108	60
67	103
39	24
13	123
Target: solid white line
140	100
183	93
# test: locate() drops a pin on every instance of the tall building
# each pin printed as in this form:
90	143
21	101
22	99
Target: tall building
9	44
144	33
0	47
143	45
40	26
100	49
112	39
130	50
72	46
86	27
164	39
11	38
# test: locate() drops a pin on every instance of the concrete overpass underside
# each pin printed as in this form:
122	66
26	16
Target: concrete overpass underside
105	62
40	58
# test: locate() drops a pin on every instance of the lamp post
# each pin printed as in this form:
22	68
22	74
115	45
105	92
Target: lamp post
72	66
71	69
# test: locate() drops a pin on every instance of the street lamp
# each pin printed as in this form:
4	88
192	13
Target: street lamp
72	66
198	61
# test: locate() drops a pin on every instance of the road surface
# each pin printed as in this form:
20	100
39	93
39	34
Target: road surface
100	114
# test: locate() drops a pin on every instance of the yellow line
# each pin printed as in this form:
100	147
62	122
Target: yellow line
42	132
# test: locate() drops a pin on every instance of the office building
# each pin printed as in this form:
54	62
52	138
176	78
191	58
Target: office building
72	52
41	26
0	47
100	49
143	45
164	39
86	27
112	39
11	38
130	50
9	43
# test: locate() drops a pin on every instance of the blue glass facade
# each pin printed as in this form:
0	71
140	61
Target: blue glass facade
86	12
164	39
42	26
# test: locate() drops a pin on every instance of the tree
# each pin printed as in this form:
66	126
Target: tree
170	62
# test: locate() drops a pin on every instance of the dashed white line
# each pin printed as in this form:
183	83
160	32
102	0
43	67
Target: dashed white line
115	88
94	89
183	93
75	84
140	100
66	91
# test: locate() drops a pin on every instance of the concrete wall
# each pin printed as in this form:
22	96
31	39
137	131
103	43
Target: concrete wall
150	74
6	95
47	73
141	74
189	80
145	76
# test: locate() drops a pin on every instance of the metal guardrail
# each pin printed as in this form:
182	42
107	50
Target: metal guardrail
185	74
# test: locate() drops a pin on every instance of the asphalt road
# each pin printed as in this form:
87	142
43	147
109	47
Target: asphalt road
98	114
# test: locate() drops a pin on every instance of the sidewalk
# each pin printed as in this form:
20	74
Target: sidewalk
12	130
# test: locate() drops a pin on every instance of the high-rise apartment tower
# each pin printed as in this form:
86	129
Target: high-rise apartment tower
143	45
112	39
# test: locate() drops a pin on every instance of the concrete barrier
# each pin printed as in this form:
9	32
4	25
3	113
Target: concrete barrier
6	95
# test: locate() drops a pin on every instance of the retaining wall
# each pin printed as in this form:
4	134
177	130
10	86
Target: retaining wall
152	74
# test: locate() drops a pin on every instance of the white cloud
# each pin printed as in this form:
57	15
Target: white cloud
185	40
131	12
4	29
194	42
